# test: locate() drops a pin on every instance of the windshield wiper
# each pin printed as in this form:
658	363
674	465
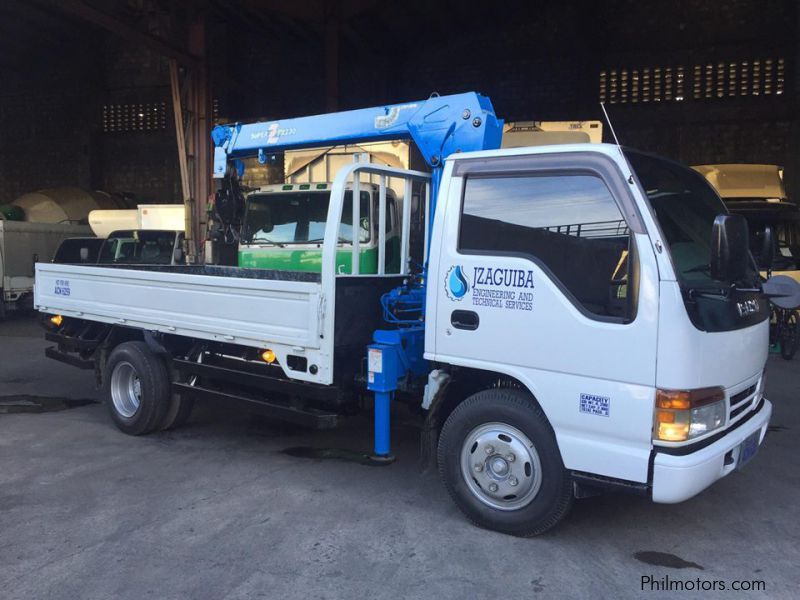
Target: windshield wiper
340	239
267	241
712	292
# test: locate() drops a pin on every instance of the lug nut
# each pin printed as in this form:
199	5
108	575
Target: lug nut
479	468
492	487
489	449
512	481
510	457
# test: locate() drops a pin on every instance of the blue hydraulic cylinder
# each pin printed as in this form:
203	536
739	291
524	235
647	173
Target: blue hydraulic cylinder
395	355
383	401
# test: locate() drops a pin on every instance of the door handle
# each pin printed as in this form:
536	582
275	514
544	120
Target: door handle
465	319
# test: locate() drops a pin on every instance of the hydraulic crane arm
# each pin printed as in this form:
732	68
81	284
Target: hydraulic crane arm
438	126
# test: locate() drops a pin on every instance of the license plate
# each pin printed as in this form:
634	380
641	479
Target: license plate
748	449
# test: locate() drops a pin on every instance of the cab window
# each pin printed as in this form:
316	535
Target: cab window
568	224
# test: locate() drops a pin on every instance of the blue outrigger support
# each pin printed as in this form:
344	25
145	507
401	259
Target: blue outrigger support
439	126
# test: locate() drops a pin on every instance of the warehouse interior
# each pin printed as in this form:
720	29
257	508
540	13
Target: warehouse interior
251	385
88	100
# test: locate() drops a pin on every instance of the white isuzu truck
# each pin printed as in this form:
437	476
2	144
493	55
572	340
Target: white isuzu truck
588	318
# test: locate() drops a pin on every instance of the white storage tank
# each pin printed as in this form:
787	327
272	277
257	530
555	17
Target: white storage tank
103	222
146	216
171	217
64	204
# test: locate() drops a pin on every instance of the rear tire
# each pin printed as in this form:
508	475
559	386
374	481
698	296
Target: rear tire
179	411
136	388
500	462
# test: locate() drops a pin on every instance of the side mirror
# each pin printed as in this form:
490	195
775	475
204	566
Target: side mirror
84	254
177	256
767	249
729	248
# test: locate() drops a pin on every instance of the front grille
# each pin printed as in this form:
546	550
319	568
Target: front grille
741	401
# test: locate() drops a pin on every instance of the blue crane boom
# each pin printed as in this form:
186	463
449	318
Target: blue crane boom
439	126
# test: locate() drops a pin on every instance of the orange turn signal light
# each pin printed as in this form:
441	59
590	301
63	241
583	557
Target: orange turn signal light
268	356
665	416
675	410
57	320
686	399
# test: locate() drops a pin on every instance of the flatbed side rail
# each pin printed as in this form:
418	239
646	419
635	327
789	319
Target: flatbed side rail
284	316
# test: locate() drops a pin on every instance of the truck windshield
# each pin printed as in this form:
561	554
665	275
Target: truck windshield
78	250
299	218
685	206
138	247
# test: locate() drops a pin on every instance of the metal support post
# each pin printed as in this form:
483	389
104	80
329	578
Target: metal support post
383	401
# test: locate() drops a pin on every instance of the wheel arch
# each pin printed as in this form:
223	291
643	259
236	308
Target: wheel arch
115	336
461	384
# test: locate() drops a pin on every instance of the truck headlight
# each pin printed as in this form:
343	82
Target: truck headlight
682	415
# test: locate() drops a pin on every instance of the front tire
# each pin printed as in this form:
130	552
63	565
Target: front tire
500	463
137	388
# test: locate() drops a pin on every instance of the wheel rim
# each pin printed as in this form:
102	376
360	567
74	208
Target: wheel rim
126	389
501	466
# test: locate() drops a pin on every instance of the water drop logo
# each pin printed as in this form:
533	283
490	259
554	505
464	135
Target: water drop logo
456	284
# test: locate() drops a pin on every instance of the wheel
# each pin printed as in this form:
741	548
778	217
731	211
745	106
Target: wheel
137	388
179	411
789	335
500	463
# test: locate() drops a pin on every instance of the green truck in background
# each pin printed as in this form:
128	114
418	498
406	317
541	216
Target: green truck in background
284	228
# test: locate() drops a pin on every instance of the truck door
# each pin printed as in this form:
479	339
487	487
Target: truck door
546	275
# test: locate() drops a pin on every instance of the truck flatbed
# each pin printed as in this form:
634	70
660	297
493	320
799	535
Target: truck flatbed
262	309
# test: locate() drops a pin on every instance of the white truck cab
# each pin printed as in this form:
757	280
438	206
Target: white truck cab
589	318
640	375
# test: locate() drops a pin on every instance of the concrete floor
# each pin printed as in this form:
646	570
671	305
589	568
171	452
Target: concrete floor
219	510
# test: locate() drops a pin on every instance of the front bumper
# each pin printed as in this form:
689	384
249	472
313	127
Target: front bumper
678	478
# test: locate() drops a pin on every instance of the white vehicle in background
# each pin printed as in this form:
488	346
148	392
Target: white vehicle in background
22	245
757	193
148	234
740	182
31	229
78	250
521	134
142	247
